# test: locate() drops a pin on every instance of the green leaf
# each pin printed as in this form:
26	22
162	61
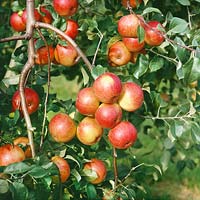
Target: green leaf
91	192
38	172
91	175
195	71
19	191
97	70
4	186
142	66
195	132
165	160
17	168
177	128
140	33
76	174
150	10
85	76
179	70
184	2
177	25
156	63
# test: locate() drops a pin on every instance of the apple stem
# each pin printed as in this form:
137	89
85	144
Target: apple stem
115	168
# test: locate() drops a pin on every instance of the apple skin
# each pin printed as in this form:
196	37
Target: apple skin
62	128
153	36
133	44
131	97
89	132
127	25
107	87
36	15
16	22
32	100
11	154
42	55
46	16
108	115
65	55
65	7
97	166
133	3
71	28
86	101
118	54
123	135
63	166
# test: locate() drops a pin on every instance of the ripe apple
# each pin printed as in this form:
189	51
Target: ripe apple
63	167
71	28
108	115
118	54
133	44
46	16
36	15
89	132
128	25
32	100
132	3
153	36
65	7
24	143
131	97
123	135
86	101
62	127
66	55
11	154
98	167
16	22
107	87
41	57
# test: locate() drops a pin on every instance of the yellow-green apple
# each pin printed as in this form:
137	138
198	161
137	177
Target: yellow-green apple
71	28
95	171
132	3
118	54
62	127
108	115
86	101
89	132
133	44
123	135
16	22
107	87
131	97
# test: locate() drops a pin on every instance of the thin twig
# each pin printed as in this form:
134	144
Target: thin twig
17	37
115	167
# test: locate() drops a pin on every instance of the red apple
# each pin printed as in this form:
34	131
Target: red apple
62	128
65	7
108	115
41	57
36	15
132	3
32	100
131	97
118	54
11	154
123	135
107	87
133	44
66	55
128	25
46	16
71	28
153	36
63	167
98	167
86	101
89	132
16	22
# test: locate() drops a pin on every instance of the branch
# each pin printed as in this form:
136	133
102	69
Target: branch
115	167
17	37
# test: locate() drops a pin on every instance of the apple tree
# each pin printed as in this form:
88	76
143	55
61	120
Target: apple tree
134	66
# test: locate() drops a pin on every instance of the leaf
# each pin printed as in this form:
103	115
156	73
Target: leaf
195	132
97	70
184	2
91	192
177	128
164	160
140	33
38	172
17	168
85	76
156	63
142	66
76	174
90	174
177	25
19	191
195	71
150	10
179	70
4	186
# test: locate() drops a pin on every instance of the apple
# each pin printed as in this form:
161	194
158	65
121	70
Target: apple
24	143
41	57
71	28
133	44
97	167
46	16
89	132
11	154
36	15
132	3
108	115
16	22
122	135
131	97
86	101
118	54
32	100
63	167
62	128
153	36
128	25
66	55
65	7
107	87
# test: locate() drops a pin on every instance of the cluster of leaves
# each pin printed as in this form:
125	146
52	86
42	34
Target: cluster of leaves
168	123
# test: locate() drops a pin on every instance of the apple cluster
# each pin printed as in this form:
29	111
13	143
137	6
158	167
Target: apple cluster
130	46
